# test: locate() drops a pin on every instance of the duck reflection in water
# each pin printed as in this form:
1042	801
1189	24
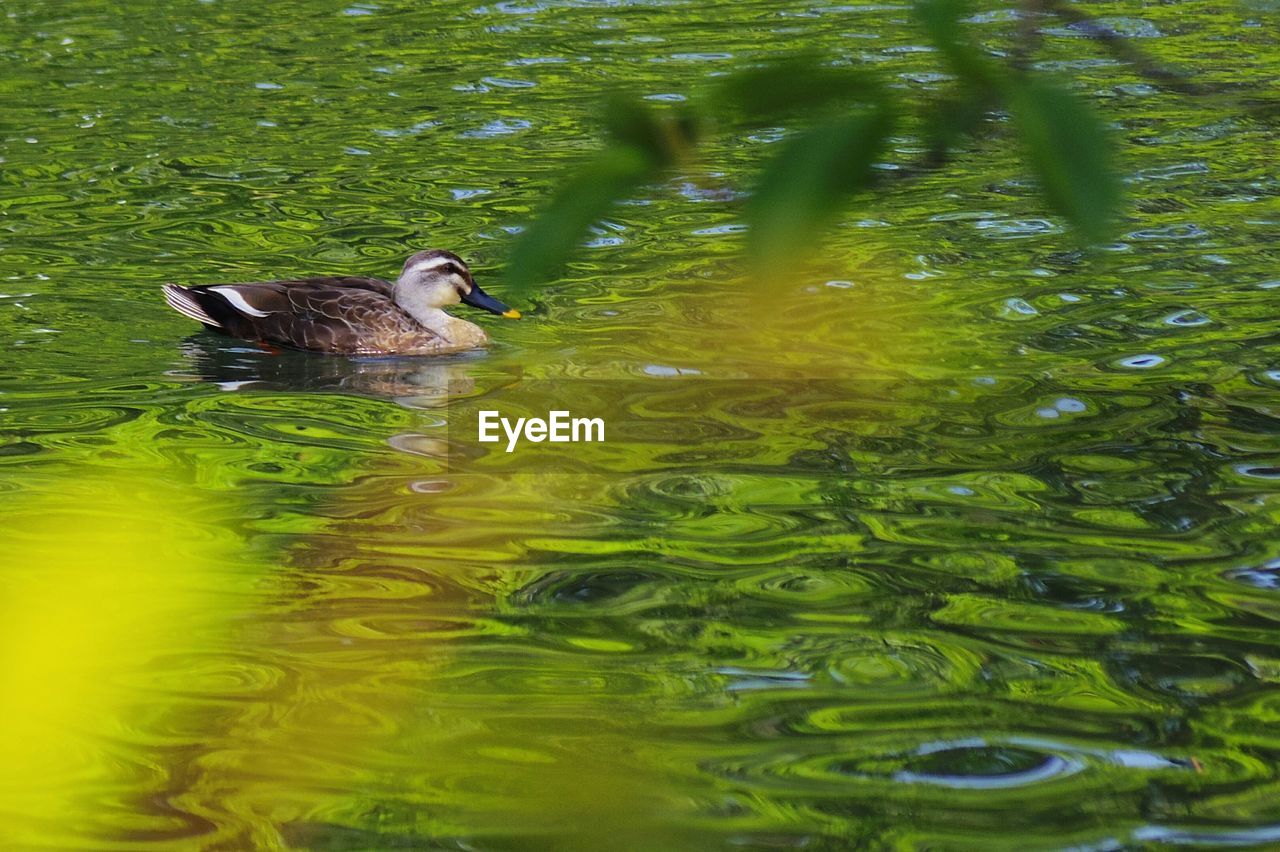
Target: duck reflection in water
412	382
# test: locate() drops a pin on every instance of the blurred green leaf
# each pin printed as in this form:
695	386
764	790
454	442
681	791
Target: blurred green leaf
809	180
797	86
951	118
585	198
941	19
666	138
1068	147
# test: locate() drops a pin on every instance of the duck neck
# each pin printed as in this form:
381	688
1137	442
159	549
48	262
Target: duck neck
415	303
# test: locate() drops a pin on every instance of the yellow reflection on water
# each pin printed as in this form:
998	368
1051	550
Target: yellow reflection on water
102	581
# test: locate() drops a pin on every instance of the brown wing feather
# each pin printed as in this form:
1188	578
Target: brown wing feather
350	316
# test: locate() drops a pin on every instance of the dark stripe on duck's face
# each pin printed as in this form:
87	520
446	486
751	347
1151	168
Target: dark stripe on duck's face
478	298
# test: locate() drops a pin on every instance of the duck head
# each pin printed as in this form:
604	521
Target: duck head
435	278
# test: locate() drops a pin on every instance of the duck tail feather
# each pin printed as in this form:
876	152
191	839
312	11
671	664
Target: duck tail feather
180	299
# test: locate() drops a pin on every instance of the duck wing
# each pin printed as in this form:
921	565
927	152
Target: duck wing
343	315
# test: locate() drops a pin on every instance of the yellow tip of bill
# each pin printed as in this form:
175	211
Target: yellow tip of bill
512	314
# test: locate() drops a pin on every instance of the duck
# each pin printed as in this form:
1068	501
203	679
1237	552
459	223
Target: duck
349	315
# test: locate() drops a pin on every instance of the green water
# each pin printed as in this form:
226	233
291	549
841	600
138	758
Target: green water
1020	588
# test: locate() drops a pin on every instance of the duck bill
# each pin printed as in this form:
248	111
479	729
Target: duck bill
478	298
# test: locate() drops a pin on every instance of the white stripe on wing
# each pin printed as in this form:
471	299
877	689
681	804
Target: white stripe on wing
238	301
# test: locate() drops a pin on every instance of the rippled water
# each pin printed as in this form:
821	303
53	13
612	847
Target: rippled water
1023	580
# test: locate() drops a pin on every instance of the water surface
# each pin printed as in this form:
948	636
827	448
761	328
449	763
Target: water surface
1019	588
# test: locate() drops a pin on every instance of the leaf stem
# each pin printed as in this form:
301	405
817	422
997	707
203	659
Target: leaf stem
1123	48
